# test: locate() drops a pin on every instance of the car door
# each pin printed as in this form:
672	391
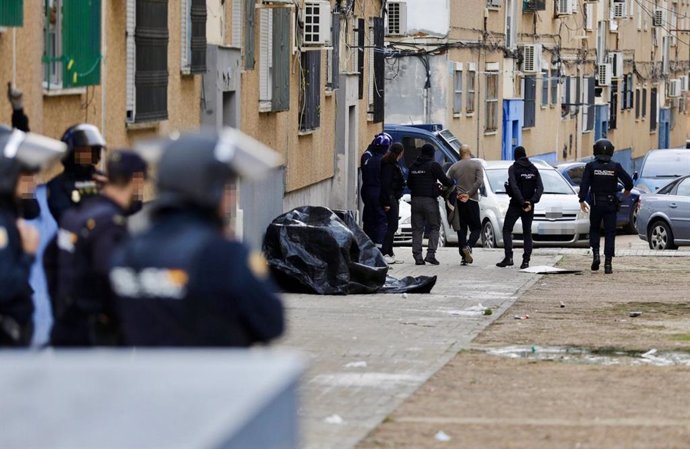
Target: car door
679	210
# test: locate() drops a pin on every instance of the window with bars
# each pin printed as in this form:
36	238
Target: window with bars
530	94
310	91
545	87
471	80
72	43
627	94
457	89
193	36
613	106
554	87
491	101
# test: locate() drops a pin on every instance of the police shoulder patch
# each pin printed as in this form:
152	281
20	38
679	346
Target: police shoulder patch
3	237
119	220
258	265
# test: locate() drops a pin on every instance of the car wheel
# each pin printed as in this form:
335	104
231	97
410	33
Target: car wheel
631	226
660	236
488	235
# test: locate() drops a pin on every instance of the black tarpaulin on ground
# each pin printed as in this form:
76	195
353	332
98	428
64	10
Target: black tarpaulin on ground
316	250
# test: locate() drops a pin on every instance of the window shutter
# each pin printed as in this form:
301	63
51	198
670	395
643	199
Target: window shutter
131	51
361	30
265	58
237	23
637	103
281	59
379	69
530	94
613	107
652	110
11	13
335	52
151	78
591	86
310	113
250	17
81	42
198	41
644	102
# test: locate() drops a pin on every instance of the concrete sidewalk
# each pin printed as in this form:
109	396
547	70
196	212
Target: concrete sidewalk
370	352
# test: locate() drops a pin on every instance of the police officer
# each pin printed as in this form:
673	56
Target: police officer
83	305
525	188
599	186
374	219
182	282
423	180
21	156
80	178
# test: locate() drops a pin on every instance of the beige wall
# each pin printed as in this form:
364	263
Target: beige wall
52	113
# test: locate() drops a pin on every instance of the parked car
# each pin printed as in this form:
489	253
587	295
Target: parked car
558	220
659	167
627	215
663	219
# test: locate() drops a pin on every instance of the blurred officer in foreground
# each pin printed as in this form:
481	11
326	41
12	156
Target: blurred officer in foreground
84	309
599	186
21	156
182	282
80	179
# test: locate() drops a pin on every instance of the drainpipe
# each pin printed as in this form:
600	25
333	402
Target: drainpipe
14	56
104	47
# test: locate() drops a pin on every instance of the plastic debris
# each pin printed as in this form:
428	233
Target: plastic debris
649	353
470	311
442	436
359	364
404	296
562	304
334	419
635	314
521	317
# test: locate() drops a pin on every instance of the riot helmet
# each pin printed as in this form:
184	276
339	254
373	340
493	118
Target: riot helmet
83	135
603	150
382	141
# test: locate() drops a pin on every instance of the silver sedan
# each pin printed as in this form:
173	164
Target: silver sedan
663	219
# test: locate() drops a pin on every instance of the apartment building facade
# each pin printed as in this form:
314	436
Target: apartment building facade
552	76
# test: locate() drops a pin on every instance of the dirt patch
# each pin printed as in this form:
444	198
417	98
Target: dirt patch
481	400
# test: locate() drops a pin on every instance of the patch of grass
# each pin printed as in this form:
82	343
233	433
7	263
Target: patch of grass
682	337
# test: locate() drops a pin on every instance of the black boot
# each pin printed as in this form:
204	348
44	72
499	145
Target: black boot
595	262
608	268
506	262
524	264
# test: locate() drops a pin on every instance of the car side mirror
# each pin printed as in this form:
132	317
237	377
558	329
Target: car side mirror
635	176
482	191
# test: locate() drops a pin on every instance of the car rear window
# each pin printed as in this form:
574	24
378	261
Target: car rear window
553	182
665	163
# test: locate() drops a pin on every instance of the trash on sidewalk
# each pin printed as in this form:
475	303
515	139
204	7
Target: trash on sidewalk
316	250
521	317
470	311
442	436
634	314
334	419
359	364
562	304
545	269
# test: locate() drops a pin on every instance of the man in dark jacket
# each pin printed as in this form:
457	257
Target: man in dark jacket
182	282
599	186
21	156
392	185
83	305
423	180
525	191
373	216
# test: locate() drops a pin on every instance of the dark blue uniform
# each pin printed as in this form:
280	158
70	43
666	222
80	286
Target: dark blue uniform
83	303
182	283
70	188
599	185
374	221
525	186
16	305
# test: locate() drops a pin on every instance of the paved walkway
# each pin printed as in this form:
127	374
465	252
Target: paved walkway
370	352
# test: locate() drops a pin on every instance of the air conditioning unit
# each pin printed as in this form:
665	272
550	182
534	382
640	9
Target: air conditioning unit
531	62
493	3
616	61
617	9
684	83
564	7
674	88
396	20
317	23
604	74
659	17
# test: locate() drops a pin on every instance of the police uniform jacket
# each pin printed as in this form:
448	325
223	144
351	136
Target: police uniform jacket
392	183
425	172
15	267
525	183
371	174
80	286
182	283
601	178
69	188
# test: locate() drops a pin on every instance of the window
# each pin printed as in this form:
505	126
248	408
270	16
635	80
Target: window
147	60
637	104
333	55
265	59
554	87
310	91
544	87
652	110
575	174
193	36
361	30
379	69
588	107
72	43
413	148
613	106
511	26
249	19
457	88
530	93
684	188
627	94
644	102
491	101
237	23
11	13
471	79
